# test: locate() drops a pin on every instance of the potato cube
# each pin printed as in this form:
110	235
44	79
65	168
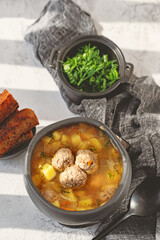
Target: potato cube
76	140
95	142
65	139
48	171
56	203
85	202
51	148
84	145
69	195
56	145
115	153
57	135
46	140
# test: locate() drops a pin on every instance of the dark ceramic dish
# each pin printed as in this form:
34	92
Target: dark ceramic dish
105	46
18	150
78	218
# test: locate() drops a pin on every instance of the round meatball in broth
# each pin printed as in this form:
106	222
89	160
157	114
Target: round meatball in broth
87	161
62	159
73	177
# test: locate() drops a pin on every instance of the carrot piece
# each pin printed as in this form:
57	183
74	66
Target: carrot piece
89	163
65	203
68	209
75	129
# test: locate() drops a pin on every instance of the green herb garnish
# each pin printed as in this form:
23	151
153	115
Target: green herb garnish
90	71
106	142
45	155
119	159
52	138
92	148
116	170
98	203
110	175
64	191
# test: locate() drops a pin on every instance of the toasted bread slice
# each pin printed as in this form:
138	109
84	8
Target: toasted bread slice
24	139
7	105
14	126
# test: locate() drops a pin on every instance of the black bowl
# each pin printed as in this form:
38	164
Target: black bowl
105	46
78	218
18	150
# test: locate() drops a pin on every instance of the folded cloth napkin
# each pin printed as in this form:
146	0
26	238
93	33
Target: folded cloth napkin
133	112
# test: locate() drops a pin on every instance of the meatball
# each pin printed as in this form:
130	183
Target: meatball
62	159
87	161
73	177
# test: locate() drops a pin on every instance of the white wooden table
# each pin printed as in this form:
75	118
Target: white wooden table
133	25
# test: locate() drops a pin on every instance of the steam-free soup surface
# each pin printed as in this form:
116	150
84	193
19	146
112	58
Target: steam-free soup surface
100	182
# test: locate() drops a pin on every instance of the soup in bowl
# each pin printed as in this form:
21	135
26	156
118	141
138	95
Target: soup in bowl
77	172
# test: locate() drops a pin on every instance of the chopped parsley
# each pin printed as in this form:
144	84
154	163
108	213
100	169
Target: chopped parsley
116	170
52	138
110	175
90	71
92	149
46	155
64	191
106	143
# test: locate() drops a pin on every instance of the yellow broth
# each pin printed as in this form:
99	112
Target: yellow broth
100	186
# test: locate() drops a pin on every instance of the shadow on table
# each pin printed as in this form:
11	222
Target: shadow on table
16	52
19	212
143	59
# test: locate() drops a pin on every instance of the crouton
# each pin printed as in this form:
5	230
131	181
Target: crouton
14	126
7	105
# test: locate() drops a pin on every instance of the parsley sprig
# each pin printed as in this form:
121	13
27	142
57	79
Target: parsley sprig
89	71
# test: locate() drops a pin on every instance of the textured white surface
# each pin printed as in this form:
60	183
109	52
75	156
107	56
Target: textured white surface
133	25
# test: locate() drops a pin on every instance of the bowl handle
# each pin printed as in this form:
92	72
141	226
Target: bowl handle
51	58
129	70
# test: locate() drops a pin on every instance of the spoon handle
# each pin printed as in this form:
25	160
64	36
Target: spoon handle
105	231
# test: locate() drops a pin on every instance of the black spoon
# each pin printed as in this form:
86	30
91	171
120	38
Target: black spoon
145	201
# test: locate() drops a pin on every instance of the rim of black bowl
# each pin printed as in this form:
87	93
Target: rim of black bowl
67	122
18	150
92	38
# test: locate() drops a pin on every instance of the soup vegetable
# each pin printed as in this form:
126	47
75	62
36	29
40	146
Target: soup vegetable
76	168
88	71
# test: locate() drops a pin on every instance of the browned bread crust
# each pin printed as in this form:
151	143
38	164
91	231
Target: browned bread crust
24	139
14	126
7	105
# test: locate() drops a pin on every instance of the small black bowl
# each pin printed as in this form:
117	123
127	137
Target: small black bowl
105	46
78	218
17	150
